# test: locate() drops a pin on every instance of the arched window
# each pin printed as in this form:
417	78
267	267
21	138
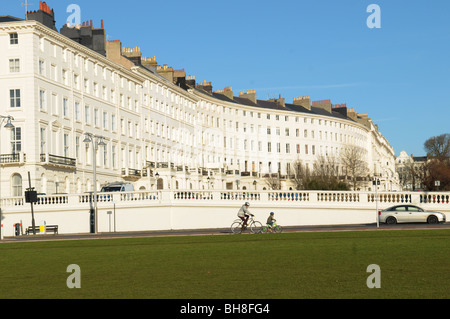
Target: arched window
160	184
16	185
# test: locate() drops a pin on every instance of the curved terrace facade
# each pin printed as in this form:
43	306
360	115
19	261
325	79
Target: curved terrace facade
162	130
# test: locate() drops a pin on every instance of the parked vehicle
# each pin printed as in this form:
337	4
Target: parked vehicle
410	214
118	187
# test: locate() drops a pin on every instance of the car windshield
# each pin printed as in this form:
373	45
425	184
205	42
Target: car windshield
111	189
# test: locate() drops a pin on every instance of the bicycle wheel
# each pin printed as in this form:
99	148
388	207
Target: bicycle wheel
256	227
236	228
277	229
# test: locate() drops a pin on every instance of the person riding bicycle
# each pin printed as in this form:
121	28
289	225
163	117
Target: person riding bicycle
244	214
270	220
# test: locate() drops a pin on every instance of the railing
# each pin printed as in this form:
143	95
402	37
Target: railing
288	196
240	195
190	195
9	158
58	160
271	198
435	198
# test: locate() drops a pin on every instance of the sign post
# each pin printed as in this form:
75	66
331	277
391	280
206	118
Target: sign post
31	197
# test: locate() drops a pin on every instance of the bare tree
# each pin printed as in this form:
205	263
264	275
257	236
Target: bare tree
273	181
438	147
354	165
301	175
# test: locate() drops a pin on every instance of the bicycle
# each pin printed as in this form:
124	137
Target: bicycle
255	226
275	228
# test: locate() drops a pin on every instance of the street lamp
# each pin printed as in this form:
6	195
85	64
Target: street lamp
9	126
96	141
376	182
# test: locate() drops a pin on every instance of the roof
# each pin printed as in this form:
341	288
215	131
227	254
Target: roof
9	19
271	105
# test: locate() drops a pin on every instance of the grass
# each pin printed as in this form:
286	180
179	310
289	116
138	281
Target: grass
414	264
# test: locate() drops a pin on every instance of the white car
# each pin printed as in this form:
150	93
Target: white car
410	214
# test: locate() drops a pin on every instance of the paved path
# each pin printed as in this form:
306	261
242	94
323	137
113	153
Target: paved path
217	231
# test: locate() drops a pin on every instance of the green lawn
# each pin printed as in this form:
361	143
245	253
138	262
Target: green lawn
414	264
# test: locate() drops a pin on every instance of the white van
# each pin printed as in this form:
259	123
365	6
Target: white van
118	187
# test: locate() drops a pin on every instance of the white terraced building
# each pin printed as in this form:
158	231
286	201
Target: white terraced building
161	130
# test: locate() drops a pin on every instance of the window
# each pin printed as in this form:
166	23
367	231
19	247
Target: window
269	147
77	146
113	122
43	139
105	120
65	107
13	38
96	119
16	140
66	145
87	118
41	67
288	148
105	156
14	65
64	76
14	98
113	157
42	100
76	83
16	185
77	112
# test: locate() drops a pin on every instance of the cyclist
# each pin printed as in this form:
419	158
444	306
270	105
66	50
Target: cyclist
270	220
244	214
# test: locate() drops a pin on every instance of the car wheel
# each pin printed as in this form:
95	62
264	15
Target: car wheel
391	220
432	220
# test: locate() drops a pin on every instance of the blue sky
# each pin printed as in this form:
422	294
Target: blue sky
398	74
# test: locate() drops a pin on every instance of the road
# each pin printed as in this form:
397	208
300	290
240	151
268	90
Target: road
219	231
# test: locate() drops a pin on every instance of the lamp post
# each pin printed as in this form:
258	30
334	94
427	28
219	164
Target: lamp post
376	182
96	140
10	126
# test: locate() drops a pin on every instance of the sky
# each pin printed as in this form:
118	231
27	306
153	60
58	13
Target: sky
398	73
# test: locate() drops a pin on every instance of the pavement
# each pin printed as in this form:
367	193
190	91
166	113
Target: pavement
217	231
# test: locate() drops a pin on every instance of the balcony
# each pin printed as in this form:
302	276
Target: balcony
131	174
12	159
58	161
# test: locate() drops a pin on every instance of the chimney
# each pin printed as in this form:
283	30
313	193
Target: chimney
149	62
303	102
363	119
340	108
44	15
179	78
323	104
228	92
133	54
205	86
165	71
190	80
92	38
351	114
249	95
279	101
